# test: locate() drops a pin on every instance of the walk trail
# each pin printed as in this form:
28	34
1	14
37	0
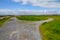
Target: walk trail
21	30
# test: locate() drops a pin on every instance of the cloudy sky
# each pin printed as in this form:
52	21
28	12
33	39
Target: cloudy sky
27	6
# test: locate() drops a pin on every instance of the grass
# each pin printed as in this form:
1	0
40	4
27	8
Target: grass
31	17
2	21
51	30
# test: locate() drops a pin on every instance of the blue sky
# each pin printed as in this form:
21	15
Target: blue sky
30	4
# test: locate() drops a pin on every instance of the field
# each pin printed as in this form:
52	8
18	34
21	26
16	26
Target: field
48	30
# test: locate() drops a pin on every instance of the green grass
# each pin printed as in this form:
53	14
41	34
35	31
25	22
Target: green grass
31	17
51	30
2	21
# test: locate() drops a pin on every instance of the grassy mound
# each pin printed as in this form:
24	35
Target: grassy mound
31	17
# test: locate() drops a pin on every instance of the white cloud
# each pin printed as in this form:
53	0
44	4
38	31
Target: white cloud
41	3
16	0
28	12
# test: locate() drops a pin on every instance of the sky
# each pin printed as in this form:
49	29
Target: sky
26	6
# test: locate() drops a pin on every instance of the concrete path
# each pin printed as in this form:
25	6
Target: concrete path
21	30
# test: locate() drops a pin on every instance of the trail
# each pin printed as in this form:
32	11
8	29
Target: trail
21	30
